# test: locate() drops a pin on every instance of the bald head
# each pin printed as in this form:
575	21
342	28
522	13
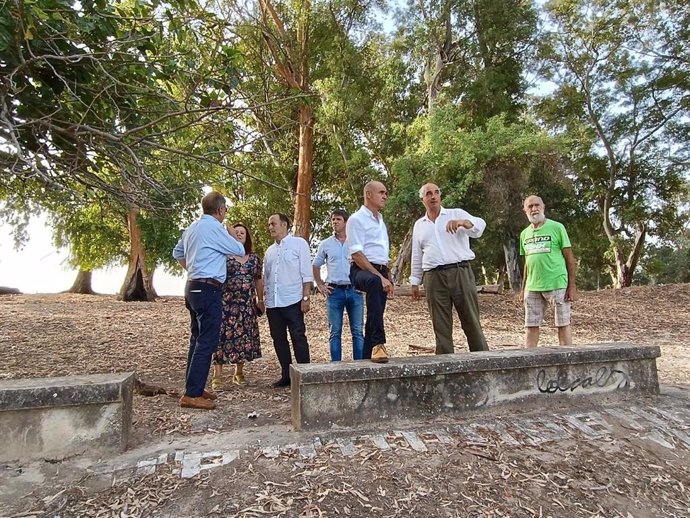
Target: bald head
375	196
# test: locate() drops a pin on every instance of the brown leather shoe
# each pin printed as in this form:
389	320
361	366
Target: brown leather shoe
197	402
207	394
379	354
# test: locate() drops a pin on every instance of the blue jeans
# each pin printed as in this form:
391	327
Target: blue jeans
205	305
353	302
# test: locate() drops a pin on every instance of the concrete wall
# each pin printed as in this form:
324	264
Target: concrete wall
61	417
357	393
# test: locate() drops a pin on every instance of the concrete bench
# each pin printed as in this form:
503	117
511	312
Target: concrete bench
60	417
362	392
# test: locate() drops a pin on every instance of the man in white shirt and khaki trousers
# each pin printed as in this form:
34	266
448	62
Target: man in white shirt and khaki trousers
441	254
287	286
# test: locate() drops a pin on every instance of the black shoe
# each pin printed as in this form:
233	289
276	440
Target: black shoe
282	382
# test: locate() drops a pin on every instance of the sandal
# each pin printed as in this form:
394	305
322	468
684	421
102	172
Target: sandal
217	383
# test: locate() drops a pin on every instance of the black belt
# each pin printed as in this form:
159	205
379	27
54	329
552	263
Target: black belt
208	280
448	266
341	286
381	268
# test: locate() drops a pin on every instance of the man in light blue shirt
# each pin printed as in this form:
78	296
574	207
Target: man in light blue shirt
339	292
202	251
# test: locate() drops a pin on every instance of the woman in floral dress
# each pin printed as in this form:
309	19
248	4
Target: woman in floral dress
243	303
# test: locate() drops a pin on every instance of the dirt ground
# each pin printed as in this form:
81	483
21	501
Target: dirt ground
56	335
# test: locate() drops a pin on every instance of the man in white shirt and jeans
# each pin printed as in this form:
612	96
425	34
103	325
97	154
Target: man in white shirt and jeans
287	286
367	239
441	254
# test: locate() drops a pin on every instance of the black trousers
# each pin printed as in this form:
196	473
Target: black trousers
370	284
280	321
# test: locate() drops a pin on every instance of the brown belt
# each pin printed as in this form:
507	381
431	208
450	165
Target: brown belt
208	280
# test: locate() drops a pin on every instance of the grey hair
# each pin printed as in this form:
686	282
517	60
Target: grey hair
421	191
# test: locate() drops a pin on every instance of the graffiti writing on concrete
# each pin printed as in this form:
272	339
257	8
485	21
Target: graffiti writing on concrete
603	377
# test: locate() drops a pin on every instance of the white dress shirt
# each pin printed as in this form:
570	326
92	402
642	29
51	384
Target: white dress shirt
287	267
367	234
433	246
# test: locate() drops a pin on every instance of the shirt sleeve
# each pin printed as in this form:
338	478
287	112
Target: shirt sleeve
416	261
478	224
565	240
522	243
178	251
226	243
355	235
305	261
320	257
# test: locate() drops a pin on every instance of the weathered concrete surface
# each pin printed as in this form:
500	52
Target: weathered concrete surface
653	423
355	393
60	417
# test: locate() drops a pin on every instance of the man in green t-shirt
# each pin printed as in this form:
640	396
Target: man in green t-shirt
549	273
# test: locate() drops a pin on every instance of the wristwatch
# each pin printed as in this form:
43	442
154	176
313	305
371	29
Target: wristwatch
305	298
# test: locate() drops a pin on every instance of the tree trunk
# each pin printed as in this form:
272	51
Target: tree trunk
82	284
625	268
512	265
501	278
305	172
137	285
402	260
150	283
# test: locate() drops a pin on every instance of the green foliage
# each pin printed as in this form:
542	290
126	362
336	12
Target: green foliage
621	74
487	170
114	102
667	263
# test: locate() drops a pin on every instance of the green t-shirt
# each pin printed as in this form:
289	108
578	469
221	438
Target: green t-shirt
544	260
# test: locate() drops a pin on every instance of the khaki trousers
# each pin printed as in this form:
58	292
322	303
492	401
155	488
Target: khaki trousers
445	289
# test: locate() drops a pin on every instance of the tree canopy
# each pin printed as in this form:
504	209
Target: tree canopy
116	114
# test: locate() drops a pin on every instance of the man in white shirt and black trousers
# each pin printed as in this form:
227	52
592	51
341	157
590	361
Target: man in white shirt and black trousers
441	254
287	287
367	239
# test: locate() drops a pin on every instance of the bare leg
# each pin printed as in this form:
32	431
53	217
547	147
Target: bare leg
565	336
532	336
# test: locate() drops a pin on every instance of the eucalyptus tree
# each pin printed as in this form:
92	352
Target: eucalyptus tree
304	145
133	100
620	71
484	169
469	54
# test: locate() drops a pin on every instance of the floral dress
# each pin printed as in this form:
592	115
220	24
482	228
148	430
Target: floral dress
239	329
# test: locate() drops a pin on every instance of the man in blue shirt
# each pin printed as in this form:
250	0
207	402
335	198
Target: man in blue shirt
202	251
339	292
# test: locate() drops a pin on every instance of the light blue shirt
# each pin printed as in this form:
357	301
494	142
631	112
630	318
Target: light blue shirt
205	246
335	256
